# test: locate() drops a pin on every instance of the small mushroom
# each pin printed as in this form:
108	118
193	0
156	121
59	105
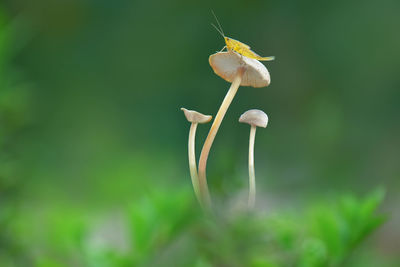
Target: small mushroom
239	70
195	118
256	118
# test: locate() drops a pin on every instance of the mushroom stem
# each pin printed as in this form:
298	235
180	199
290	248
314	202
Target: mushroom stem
192	161
256	118
205	194
194	118
252	177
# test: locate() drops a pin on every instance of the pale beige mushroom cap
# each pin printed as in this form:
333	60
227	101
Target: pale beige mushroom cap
196	117
226	65
254	117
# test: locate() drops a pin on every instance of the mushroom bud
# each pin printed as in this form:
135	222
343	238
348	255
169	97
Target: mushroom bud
195	118
256	118
239	70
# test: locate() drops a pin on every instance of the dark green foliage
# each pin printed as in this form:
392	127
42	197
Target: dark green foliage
168	229
157	220
326	236
336	230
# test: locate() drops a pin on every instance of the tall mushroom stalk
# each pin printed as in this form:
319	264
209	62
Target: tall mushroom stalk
213	132
195	118
256	118
239	71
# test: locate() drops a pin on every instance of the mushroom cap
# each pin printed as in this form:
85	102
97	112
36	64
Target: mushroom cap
226	65
196	117
254	117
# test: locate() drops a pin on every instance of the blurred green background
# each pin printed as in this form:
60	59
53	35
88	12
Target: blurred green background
91	132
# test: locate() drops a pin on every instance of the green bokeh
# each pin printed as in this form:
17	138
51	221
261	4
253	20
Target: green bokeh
90	124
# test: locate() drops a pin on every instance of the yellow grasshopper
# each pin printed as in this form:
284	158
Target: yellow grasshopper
237	46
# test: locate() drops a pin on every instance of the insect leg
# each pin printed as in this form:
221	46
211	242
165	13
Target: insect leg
222	49
241	56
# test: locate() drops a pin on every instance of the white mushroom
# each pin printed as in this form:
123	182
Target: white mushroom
238	70
256	118
225	65
195	118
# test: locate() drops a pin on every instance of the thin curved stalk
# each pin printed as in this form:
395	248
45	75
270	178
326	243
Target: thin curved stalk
205	194
252	177
192	161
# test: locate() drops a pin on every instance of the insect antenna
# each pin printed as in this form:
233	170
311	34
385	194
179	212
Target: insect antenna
220	28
